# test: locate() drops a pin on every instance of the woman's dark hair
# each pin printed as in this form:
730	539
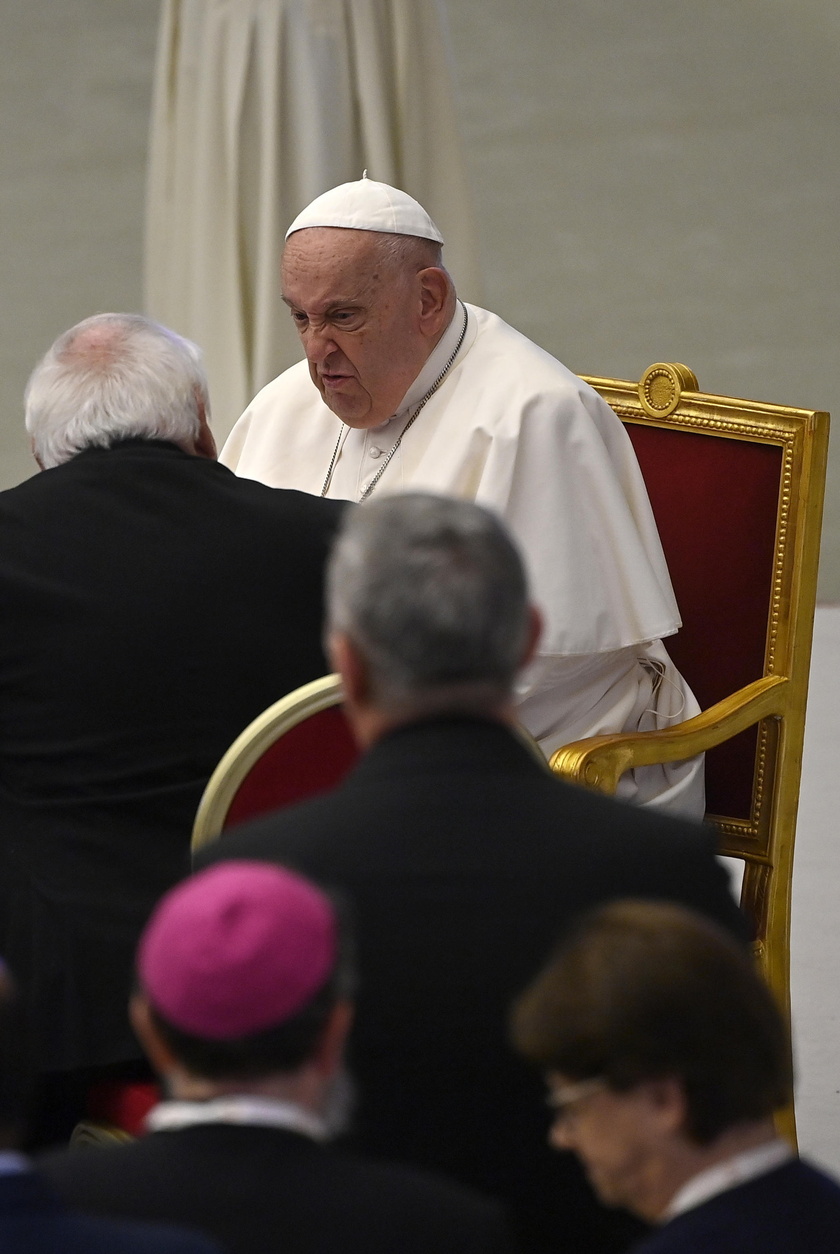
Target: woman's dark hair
643	990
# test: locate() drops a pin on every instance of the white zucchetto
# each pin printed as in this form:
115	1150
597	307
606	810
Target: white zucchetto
368	206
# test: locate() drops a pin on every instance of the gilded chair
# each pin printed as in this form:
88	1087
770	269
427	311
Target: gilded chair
737	490
299	746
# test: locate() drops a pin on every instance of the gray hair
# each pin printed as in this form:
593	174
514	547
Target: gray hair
432	592
409	252
113	377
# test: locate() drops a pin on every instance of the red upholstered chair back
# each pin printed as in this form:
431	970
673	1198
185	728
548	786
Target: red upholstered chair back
311	757
299	746
716	503
736	488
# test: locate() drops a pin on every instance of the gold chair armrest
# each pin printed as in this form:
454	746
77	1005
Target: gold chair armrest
599	761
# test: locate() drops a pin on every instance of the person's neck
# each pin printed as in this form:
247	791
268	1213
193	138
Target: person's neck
685	1159
372	723
301	1088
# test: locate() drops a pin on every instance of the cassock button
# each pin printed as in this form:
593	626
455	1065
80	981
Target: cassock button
375	452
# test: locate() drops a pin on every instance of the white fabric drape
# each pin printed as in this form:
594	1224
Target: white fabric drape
258	107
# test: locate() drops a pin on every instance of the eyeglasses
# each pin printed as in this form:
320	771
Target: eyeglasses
565	1097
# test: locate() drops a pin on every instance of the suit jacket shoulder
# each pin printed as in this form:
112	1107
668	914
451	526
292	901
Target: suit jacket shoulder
243	1185
32	1218
464	861
792	1210
153	605
466	798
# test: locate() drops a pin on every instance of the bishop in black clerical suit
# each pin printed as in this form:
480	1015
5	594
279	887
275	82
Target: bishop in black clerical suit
153	605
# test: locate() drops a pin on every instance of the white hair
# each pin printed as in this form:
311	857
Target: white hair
113	377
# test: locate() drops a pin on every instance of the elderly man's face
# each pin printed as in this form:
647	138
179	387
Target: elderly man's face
359	320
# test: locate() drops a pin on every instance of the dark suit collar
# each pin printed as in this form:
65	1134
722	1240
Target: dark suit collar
440	743
236	1136
131	445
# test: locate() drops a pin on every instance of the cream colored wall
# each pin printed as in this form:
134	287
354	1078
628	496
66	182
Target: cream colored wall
655	180
75	82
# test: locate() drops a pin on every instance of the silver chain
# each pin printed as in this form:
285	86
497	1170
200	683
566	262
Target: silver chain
380	472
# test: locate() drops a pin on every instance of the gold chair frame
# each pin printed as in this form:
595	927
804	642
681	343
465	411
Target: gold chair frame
249	747
667	396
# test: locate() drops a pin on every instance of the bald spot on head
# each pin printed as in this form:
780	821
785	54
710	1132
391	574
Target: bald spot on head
96	347
116	377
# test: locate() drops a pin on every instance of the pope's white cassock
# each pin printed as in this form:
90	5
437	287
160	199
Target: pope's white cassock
512	428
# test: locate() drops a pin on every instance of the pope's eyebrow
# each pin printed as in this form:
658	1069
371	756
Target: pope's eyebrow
352	303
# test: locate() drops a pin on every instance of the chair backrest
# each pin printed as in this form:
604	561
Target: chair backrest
716	505
299	746
737	489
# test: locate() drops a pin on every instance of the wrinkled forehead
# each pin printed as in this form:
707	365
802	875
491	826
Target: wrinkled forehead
333	264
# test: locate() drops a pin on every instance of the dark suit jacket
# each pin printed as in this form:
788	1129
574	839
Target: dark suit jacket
263	1190
792	1210
34	1221
152	605
464	860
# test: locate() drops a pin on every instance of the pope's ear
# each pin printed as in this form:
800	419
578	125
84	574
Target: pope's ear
435	289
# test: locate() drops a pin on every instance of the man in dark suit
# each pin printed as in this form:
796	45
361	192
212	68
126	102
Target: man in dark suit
243	1008
33	1219
463	857
666	1056
153	605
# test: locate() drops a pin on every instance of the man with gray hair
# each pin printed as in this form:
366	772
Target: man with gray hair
153	605
464	858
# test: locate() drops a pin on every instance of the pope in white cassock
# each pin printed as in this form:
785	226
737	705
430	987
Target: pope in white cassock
412	388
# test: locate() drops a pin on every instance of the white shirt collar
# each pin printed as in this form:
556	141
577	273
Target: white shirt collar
727	1175
237	1108
435	362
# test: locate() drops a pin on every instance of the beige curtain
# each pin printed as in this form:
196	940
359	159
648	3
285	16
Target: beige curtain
259	106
